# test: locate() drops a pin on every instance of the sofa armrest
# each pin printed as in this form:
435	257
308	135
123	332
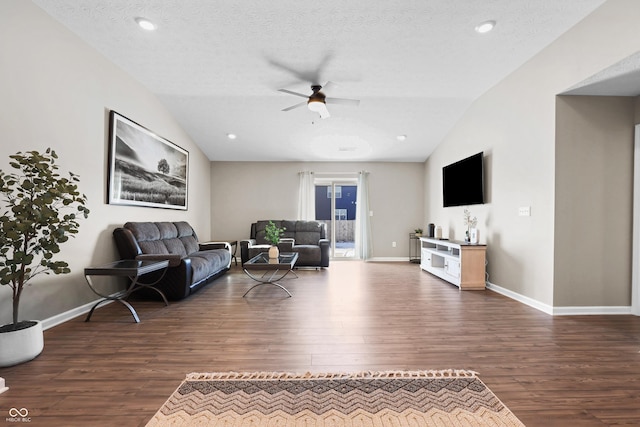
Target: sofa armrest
286	244
244	249
207	246
174	259
325	249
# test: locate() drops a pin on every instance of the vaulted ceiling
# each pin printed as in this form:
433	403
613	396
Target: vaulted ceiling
415	65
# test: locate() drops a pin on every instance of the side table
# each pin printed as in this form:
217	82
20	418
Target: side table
132	269
414	248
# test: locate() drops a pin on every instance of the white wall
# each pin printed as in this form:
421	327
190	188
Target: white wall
56	92
244	192
515	123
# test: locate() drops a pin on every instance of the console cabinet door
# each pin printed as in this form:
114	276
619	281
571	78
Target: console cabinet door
452	268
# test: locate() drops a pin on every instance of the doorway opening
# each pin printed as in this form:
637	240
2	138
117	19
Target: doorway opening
336	207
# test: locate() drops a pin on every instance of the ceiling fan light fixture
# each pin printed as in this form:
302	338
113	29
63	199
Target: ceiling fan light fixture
318	106
145	24
485	27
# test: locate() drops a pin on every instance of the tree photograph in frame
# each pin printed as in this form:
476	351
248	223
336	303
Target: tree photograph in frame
144	168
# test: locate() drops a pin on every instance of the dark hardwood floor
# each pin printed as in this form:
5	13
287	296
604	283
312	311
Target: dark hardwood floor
353	316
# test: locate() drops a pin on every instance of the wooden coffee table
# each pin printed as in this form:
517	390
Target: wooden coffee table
273	269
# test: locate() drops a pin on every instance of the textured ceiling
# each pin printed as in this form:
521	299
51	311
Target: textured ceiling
416	65
620	79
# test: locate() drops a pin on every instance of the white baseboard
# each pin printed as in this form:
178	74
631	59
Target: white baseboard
71	314
521	298
560	311
580	311
388	259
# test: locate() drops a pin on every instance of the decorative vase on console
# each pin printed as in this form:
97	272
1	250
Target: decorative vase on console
272	234
471	235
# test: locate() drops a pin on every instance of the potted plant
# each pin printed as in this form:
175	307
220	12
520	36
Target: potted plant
418	232
272	234
40	210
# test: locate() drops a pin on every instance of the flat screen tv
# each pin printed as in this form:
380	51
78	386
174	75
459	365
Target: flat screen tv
463	182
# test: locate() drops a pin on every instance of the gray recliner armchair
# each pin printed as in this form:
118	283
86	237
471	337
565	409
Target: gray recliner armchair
307	238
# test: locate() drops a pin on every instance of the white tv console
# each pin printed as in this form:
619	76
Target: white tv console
459	263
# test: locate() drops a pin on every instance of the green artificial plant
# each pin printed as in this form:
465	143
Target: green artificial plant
40	211
272	233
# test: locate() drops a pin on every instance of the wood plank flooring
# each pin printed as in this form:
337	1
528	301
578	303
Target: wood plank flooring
353	316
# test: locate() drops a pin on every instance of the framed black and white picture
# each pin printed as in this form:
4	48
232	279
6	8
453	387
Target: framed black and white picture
144	168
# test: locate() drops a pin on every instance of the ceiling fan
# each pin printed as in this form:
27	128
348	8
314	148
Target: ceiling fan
317	101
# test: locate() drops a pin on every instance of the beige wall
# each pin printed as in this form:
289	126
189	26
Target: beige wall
56	92
515	123
594	203
244	192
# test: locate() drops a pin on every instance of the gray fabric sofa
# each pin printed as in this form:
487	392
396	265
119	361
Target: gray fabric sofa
307	238
191	264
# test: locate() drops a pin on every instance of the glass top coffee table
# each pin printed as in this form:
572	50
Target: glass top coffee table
272	270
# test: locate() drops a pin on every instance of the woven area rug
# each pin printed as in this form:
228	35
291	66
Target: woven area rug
399	398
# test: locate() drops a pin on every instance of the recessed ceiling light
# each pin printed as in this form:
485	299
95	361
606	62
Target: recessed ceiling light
401	137
145	24
232	136
485	27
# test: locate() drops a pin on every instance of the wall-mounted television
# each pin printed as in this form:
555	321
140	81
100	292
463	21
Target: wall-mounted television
463	182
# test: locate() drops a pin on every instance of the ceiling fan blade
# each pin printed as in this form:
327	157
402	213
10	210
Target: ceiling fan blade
309	75
290	92
328	87
343	101
295	106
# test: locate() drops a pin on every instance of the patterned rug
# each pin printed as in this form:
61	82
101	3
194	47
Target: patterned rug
398	398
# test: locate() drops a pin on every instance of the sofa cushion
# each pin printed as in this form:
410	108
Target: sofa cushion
289	229
187	236
307	232
169	235
200	267
167	230
164	237
153	247
147	235
143	231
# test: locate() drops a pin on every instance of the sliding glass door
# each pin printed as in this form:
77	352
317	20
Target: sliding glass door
336	206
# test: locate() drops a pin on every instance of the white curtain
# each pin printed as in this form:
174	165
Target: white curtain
364	249
306	197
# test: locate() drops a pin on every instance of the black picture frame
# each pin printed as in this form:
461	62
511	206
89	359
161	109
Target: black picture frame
144	168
